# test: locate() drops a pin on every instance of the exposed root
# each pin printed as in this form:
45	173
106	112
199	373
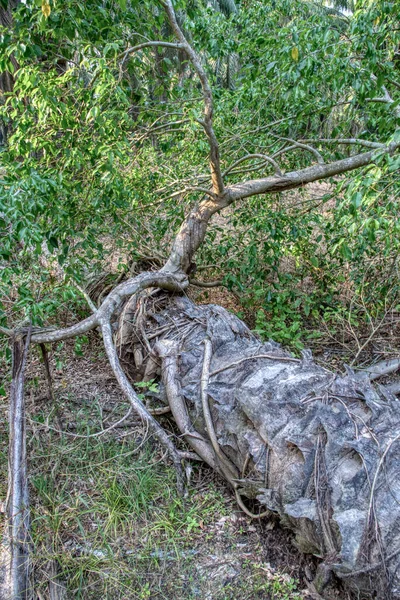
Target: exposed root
393	388
385	367
168	352
229	469
248	512
158	432
267	356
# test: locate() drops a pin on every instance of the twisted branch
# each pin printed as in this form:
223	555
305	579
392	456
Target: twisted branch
216	175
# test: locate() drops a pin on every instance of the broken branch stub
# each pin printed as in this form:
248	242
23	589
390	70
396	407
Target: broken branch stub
319	450
385	367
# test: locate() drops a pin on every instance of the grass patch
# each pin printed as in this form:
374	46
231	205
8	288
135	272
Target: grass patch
257	583
109	515
107	523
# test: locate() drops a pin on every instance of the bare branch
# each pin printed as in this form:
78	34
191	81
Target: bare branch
137	405
295	179
395	83
149	44
161	128
382	368
216	175
386	101
6	331
186	190
386	98
14	551
349	141
264	157
88	299
303	146
56	335
173	282
207	284
193	229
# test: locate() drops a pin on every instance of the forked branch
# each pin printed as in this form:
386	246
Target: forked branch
216	175
159	279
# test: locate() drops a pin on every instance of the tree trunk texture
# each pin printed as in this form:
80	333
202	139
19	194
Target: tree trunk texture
14	545
317	449
6	78
6	20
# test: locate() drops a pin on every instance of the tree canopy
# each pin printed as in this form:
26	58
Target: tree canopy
105	137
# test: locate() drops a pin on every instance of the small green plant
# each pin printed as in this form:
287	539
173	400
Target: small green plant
150	386
280	328
80	342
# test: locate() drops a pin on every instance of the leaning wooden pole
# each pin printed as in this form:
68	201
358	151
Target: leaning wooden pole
14	551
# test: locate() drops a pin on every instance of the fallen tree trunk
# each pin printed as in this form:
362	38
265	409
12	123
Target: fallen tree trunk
317	449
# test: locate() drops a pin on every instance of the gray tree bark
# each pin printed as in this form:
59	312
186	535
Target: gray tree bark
14	545
317	449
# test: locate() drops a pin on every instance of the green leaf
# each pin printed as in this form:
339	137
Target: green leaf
52	242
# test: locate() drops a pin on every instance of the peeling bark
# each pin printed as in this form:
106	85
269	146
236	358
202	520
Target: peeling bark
317	449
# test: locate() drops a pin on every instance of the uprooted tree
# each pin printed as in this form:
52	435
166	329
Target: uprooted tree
316	449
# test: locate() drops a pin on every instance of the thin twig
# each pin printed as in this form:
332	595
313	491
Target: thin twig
91	435
263	157
268	356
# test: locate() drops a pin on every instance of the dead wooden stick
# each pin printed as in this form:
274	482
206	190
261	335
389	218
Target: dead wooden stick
394	387
382	368
46	363
14	550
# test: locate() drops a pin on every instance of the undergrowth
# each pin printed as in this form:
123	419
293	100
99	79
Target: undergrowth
106	521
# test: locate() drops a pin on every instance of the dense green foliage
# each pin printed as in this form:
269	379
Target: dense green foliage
104	150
